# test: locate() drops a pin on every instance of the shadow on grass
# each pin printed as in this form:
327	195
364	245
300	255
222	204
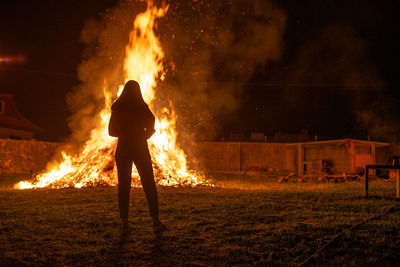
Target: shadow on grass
128	250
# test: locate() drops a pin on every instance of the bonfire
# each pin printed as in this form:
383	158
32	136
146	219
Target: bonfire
94	164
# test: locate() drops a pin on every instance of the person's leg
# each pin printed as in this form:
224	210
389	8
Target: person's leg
144	166
124	167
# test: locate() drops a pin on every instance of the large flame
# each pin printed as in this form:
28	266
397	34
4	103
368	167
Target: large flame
94	165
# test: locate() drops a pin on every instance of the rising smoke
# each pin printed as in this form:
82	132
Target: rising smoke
335	70
102	63
209	47
336	57
214	47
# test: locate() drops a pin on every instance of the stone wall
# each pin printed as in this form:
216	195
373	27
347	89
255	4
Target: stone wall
31	157
240	156
25	156
235	156
267	155
219	156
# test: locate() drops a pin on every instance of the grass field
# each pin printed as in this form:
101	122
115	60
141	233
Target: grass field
244	220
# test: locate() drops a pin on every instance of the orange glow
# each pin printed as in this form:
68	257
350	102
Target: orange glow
12	59
94	165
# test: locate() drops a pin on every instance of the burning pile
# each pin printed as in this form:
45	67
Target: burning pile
94	165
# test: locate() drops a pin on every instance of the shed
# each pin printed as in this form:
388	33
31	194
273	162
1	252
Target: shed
344	155
12	123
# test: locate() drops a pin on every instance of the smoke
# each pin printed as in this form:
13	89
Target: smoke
336	70
337	57
380	118
104	43
212	47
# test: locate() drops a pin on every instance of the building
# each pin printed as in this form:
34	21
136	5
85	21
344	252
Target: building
342	156
345	155
12	124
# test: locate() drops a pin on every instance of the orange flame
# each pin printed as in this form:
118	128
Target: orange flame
94	165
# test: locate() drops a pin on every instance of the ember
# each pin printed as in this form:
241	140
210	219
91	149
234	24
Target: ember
94	164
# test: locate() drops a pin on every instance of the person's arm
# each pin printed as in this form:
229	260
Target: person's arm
150	124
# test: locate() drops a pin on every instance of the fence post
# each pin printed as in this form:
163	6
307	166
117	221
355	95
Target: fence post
300	164
398	184
366	181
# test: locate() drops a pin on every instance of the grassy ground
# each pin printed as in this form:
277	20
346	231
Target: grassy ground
245	220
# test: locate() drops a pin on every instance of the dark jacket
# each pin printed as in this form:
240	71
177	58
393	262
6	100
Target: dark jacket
130	116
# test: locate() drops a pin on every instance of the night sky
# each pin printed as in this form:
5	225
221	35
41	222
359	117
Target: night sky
336	77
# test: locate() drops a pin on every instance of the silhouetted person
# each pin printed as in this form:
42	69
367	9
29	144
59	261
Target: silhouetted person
133	123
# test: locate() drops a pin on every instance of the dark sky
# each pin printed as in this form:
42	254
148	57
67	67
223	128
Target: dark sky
329	102
47	35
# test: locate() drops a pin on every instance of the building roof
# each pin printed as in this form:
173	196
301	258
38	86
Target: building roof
341	142
11	118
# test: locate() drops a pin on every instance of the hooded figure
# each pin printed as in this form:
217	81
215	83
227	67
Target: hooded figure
133	123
